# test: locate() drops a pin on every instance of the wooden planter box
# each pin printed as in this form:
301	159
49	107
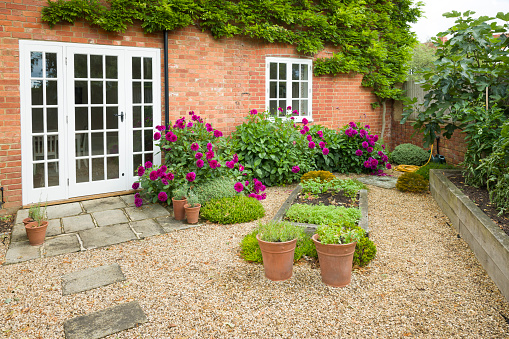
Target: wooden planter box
489	243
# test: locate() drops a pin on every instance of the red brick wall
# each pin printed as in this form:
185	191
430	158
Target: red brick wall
221	80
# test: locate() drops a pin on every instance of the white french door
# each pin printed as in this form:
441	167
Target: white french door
87	116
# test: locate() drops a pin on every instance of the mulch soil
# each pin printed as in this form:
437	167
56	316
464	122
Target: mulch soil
327	199
6	223
481	198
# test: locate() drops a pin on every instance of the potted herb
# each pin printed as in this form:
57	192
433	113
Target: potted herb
179	199
336	246
31	213
36	230
192	208
277	242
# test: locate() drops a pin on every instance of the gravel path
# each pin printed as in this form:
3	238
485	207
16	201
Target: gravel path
424	282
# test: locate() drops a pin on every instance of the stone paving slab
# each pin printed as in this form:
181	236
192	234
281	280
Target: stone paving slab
169	224
110	217
107	235
54	228
384	182
18	233
128	199
67	243
148	211
78	223
103	204
90	278
22	214
109	321
147	228
21	251
64	210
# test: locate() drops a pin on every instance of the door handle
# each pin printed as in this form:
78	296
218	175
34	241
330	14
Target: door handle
121	115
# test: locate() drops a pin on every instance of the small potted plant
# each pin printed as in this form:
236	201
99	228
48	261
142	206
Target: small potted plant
179	199
277	242
31	213
336	246
36	230
192	208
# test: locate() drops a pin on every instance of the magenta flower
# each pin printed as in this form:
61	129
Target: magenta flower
209	155
306	128
168	135
289	108
371	142
160	128
309	137
136	185
388	166
198	155
162	196
209	127
213	164
367	126
141	171
370	149
365	144
191	113
169	176
321	144
311	144
305	121
230	164
246	183
359	152
383	146
295	112
238	187
280	109
157	136
363	133
235	158
164	181
189	125
153	175
302	131
295	169
195	117
253	112
263	196
199	163
320	134
218	133
195	146
190	176
375	138
138	202
148	164
325	151
349	132
209	147
352	124
241	168
354	132
385	158
173	138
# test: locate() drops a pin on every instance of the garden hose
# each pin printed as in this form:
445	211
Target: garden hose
413	168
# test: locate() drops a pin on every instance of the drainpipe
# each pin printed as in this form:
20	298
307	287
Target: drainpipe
166	84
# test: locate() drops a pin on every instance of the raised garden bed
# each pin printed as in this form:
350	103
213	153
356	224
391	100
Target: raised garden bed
486	239
311	228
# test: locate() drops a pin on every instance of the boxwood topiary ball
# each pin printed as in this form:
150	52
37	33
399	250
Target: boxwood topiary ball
232	210
409	154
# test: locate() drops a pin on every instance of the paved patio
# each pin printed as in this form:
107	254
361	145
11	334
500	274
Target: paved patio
81	226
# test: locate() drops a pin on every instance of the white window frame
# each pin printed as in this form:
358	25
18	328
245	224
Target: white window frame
289	99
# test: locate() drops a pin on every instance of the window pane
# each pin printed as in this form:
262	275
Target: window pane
148	116
295	107
112	142
111	67
147	68
51	65
148	140
51	93
295	90
81	144
136	92
111	92
52	119
273	107
304	89
81	118
97	118
149	157
96	91
137	161
136	116
273	89
113	168
97	144
137	68
282	71
137	142
295	72
304	72
111	118
36	64
96	66
52	146
282	89
80	92
38	147
282	105
39	175
37	92
53	179
97	169
147	92
273	71
82	170
80	66
304	108
37	120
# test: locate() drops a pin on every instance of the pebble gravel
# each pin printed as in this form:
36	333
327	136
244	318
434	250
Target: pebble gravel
425	282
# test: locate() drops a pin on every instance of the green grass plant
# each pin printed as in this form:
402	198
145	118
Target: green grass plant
349	187
324	215
278	231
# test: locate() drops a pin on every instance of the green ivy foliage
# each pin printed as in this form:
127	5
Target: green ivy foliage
371	37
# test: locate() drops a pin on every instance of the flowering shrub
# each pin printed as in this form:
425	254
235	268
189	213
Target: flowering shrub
251	188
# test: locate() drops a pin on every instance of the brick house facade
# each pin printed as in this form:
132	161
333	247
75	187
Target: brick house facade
221	80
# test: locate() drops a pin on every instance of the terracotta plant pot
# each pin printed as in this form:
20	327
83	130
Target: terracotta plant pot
335	262
35	233
192	213
178	209
277	258
26	221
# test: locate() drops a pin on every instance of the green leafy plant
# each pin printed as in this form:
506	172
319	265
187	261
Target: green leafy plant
192	199
412	182
409	154
215	189
365	251
349	187
181	192
38	213
324	215
233	210
424	170
320	176
328	234
280	231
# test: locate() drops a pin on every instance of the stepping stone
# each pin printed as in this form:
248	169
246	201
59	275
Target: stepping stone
18	233
64	210
384	182
111	217
147	228
103	323
61	245
21	251
53	228
103	204
78	223
107	235
22	214
169	224
91	278
146	212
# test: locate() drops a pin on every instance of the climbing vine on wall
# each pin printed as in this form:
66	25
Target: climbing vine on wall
371	37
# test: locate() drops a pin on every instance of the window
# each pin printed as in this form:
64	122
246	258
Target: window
289	84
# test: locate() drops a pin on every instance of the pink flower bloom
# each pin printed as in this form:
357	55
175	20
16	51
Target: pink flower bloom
263	196
305	121
289	107
306	128
370	149
230	164
141	171
359	152
363	133
383	146
209	127
209	155
199	163
388	166
325	151
168	135
295	112
162	196
136	185
189	125
213	164
253	112
195	146
198	155
173	138
157	136
190	176
218	133
209	147
241	168
320	134
138	202
375	138
311	144
191	113
371	142
302	131
309	137
164	181
160	128
195	117
367	126
148	164
169	176
235	158
246	183
280	109
352	124
365	144
295	169
238	187
153	175
321	144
